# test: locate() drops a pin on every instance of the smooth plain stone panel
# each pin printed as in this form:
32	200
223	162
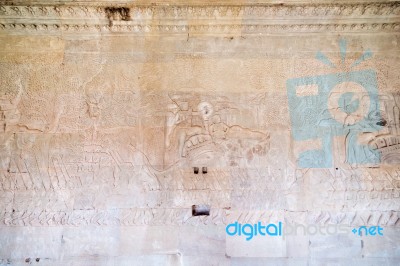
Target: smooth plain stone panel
202	240
269	261
30	242
335	246
261	246
97	241
297	246
353	262
202	260
386	246
145	240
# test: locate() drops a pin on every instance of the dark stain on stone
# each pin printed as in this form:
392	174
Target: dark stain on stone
117	14
381	123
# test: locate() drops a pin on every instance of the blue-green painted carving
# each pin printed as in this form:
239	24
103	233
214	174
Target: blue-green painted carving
347	104
311	118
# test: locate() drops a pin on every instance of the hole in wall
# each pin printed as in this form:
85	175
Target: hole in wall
200	210
204	170
195	170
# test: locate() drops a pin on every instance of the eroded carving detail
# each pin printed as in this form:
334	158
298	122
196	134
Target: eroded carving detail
98	17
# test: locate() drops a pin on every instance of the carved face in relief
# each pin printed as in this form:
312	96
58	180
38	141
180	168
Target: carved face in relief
94	101
173	108
94	110
206	110
218	130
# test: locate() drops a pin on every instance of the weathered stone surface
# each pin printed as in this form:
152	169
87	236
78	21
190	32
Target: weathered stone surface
116	118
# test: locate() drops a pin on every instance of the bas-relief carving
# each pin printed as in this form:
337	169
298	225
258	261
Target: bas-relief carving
100	161
346	104
388	144
80	159
96	153
98	18
90	149
201	136
165	216
83	145
10	114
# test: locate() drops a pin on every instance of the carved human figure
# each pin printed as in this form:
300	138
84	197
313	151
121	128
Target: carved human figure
94	101
218	129
359	135
206	110
9	113
172	120
53	125
387	142
396	112
6	147
177	127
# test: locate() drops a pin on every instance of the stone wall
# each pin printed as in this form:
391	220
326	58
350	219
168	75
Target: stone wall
117	118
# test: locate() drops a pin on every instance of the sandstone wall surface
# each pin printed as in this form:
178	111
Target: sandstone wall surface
116	118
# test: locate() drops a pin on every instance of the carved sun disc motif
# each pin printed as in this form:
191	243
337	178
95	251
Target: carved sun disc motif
348	103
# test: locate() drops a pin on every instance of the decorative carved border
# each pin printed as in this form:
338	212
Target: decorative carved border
198	29
131	217
95	17
208	11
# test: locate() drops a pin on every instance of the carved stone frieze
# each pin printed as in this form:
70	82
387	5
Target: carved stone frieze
138	132
97	17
